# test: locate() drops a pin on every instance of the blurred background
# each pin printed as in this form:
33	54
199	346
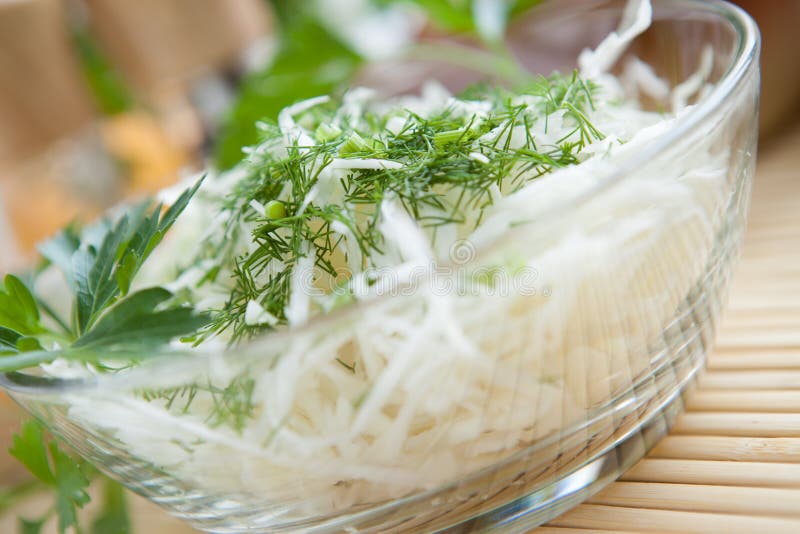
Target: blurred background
102	100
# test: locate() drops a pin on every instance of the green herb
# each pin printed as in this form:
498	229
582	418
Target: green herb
461	16
104	273
28	526
136	321
440	182
69	479
19	315
185	394
99	265
29	448
232	405
54	468
108	88
113	517
310	62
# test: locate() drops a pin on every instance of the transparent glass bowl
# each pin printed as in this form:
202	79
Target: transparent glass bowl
570	382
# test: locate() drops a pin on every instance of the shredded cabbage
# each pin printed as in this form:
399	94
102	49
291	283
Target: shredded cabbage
413	391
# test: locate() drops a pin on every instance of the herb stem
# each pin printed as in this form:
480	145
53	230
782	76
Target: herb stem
26	359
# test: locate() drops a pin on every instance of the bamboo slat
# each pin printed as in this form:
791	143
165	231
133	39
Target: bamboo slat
591	516
789	337
567	530
755	359
715	473
734	449
771	401
694	498
769	425
751	379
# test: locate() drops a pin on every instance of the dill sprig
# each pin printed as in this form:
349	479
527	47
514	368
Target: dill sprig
230	406
451	164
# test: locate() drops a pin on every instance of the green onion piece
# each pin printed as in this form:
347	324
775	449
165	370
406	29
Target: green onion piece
355	144
447	137
327	132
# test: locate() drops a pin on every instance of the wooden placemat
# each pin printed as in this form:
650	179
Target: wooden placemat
732	462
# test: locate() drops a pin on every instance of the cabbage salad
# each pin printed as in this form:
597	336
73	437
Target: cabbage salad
382	296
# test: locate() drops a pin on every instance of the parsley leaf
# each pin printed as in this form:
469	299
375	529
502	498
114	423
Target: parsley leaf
114	517
18	310
135	320
100	264
31	526
28	447
8	341
55	468
71	484
94	275
60	249
149	232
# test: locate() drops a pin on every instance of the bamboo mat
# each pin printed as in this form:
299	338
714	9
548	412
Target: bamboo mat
732	462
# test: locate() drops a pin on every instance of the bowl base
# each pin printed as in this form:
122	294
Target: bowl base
552	500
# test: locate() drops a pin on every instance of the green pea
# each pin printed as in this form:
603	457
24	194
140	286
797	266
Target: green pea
275	209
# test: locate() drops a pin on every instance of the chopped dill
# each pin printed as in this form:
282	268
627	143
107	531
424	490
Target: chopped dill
231	406
445	169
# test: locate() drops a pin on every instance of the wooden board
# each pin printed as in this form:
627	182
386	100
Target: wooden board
732	462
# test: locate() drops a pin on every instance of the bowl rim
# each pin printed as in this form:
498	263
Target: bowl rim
744	59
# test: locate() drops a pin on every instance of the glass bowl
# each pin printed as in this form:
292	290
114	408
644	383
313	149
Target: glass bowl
484	410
